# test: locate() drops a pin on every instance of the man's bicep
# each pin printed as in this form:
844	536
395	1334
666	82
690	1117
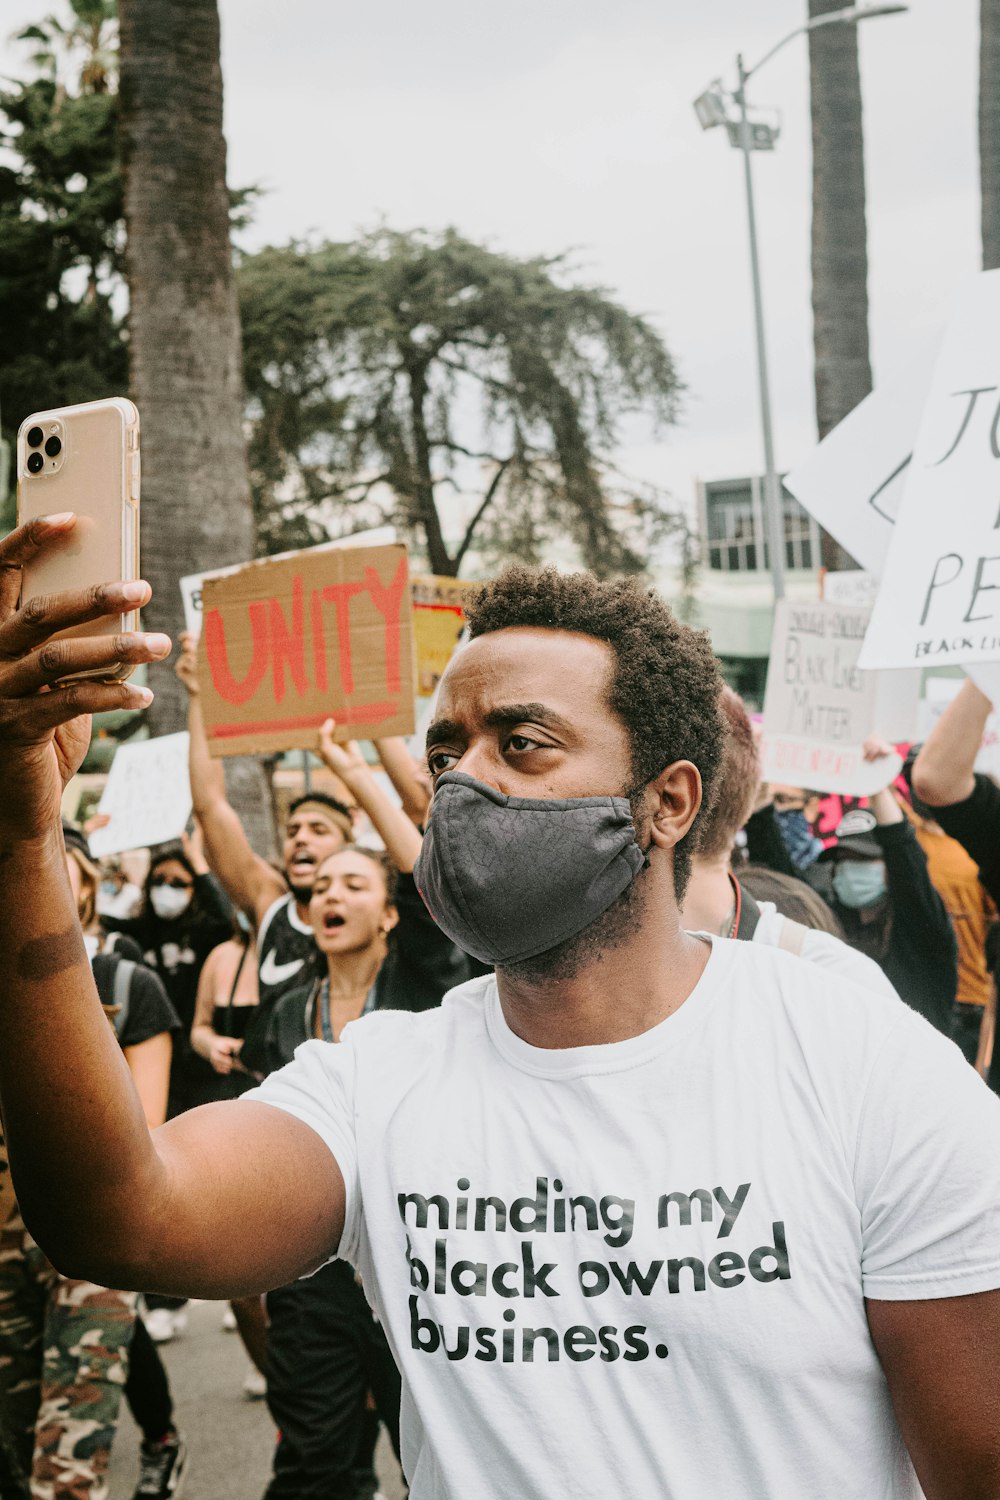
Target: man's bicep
940	1359
255	1200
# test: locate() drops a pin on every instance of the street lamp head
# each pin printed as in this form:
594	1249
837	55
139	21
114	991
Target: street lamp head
711	108
865	12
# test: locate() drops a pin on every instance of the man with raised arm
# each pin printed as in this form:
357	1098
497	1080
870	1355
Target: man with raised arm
316	827
965	802
647	1213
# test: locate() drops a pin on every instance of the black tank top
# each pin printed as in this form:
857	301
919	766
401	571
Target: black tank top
284	944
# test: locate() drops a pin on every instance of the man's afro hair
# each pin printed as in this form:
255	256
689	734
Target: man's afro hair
666	685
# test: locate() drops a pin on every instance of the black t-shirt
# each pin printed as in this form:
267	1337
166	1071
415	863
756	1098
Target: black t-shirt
284	948
149	1010
419	969
975	824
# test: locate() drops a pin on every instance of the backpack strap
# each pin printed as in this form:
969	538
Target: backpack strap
747	913
123	993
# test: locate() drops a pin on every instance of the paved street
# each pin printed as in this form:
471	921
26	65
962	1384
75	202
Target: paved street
230	1439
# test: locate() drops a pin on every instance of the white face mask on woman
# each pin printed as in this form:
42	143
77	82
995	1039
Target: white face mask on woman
168	902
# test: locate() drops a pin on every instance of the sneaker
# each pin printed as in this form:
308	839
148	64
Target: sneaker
229	1321
254	1386
160	1325
162	1467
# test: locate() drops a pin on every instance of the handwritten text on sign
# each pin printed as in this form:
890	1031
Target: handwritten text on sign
820	707
289	642
941	584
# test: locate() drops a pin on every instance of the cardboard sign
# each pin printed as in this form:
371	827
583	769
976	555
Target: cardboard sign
147	796
288	642
820	707
438	622
940	598
191	585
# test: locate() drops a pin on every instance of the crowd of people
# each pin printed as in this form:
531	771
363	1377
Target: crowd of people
222	965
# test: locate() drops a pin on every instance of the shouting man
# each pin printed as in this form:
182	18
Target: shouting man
647	1213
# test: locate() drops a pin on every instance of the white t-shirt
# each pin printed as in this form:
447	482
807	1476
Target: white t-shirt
824	949
639	1269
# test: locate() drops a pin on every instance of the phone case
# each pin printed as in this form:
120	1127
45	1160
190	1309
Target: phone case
84	459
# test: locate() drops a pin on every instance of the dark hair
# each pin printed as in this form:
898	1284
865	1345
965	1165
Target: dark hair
793	898
325	800
378	857
666	683
735	784
159	856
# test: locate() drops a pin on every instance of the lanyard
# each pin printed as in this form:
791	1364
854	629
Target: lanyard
324	1009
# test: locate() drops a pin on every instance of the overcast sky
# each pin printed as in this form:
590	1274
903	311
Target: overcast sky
541	125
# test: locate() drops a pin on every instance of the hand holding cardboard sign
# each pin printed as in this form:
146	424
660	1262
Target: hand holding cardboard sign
345	760
186	666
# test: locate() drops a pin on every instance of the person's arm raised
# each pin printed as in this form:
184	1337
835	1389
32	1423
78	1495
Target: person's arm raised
411	782
229	1199
944	771
247	879
395	829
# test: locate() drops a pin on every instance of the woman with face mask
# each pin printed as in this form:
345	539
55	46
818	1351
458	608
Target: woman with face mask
881	891
377	948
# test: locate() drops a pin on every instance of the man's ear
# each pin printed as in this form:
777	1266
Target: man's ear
676	798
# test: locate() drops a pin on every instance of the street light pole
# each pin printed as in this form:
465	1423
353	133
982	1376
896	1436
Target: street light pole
712	109
772	488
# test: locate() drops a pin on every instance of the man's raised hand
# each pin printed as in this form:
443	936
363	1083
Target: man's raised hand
45	720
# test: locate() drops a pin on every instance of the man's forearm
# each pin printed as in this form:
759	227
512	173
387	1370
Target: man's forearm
84	1168
943	772
397	832
208	780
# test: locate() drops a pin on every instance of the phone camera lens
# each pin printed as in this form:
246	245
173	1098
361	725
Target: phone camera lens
35	463
53	446
35	436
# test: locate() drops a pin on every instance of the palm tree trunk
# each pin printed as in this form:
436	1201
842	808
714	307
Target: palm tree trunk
184	331
839	233
989	129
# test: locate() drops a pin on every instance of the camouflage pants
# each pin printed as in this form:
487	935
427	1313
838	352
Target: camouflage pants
63	1364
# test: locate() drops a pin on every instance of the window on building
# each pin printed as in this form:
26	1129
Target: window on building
735	534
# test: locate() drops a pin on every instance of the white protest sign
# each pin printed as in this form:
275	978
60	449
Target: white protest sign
852	483
938	693
820	707
849	587
936	605
147	797
190	585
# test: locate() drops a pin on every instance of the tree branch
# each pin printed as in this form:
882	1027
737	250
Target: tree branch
481	510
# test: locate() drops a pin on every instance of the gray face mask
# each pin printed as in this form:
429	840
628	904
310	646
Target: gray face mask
508	878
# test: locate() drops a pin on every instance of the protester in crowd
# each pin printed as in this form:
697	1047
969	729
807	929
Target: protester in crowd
797	901
795	812
182	918
376	948
955	876
965	802
66	1344
619	1092
276	901
118	896
719	901
882	895
227	998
